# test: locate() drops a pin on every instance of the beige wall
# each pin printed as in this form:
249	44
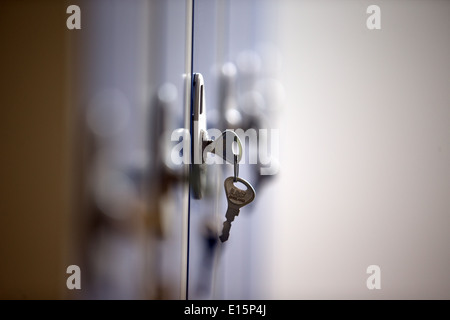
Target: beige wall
365	157
34	149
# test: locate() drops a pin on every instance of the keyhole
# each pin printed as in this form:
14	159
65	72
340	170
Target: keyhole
235	148
201	99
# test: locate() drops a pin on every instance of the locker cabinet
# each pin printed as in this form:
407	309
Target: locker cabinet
113	174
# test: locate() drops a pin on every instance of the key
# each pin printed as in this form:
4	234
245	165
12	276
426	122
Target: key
237	198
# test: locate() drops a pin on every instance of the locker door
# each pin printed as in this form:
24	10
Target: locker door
234	51
130	91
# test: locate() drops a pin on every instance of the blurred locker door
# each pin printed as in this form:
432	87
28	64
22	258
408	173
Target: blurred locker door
129	196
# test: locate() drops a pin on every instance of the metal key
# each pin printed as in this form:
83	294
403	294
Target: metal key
237	198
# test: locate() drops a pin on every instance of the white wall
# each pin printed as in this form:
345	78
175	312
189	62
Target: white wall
365	154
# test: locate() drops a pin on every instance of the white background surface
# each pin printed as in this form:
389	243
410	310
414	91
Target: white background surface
365	176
